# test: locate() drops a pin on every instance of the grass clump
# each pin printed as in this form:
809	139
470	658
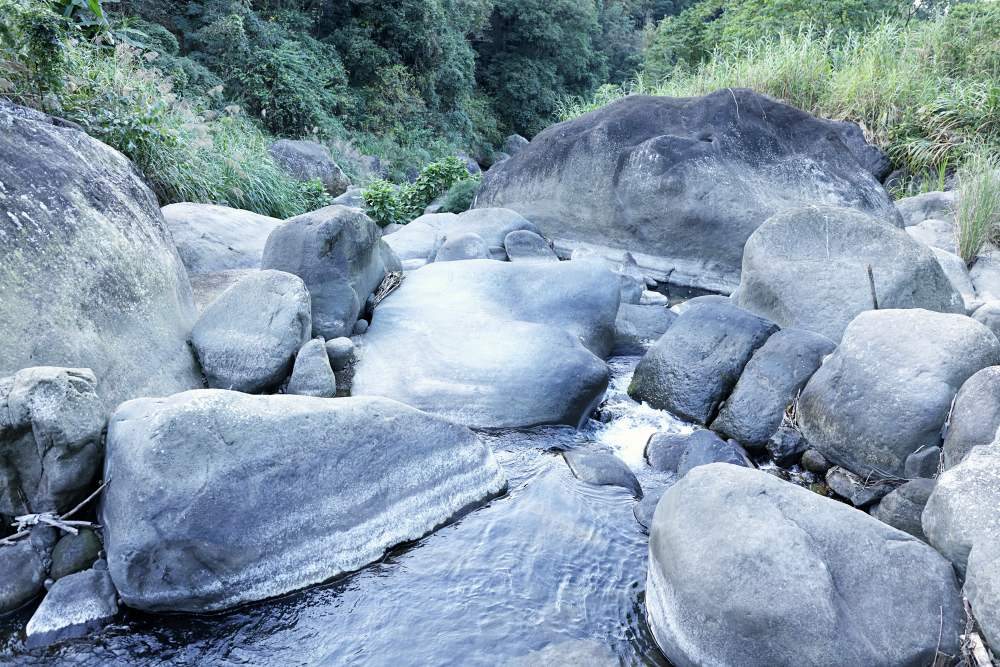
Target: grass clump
978	210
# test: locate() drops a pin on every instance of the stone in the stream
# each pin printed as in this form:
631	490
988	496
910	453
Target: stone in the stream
341	352
681	452
814	461
312	374
89	275
247	338
602	469
632	280
721	164
417	242
336	251
746	569
75	606
218	498
975	416
927	206
887	389
638	326
769	384
903	507
696	363
571	653
924	462
664	449
494	344
23	568
212	238
74	553
965	505
787	446
859	492
643	510
462	246
51	426
523	245
982	588
308	160
808	269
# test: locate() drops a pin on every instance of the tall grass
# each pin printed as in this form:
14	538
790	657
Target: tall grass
978	214
914	89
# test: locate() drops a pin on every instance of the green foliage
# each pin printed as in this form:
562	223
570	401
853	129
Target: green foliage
388	204
461	195
32	50
978	213
911	85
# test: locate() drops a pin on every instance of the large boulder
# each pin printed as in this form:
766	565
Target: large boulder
493	344
696	363
683	180
746	569
337	253
308	160
975	416
247	338
886	391
964	508
808	269
417	242
769	383
51	448
89	274
218	498
213	238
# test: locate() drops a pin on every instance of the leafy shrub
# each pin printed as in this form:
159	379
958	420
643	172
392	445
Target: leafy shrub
461	195
978	213
32	50
389	204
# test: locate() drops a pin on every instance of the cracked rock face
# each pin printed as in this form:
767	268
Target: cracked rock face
219	498
746	569
51	424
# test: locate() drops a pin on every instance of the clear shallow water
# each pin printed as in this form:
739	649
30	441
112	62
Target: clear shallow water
555	565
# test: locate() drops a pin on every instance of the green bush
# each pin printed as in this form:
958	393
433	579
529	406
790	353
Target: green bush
382	203
461	195
389	204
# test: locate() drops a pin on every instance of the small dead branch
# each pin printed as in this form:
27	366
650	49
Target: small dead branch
388	285
972	646
871	284
26	522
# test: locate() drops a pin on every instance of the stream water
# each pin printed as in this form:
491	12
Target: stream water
552	571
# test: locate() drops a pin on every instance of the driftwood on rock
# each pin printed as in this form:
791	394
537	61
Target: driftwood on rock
26	522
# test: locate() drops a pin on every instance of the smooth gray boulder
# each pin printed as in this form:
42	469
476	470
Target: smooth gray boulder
23	567
207	287
696	363
493	344
644	509
212	238
632	279
887	389
360	327
51	445
306	160
336	251
513	144
927	206
963	509
975	416
602	469
74	553
988	314
720	165
523	245
638	326
903	507
769	383
353	196
462	246
958	275
746	569
312	374
664	449
935	233
417	242
218	498
75	606
985	274
814	461
982	588
341	352
247	338
682	452
808	269
89	273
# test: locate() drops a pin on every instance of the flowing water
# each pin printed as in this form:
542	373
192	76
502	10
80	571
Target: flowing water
552	571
